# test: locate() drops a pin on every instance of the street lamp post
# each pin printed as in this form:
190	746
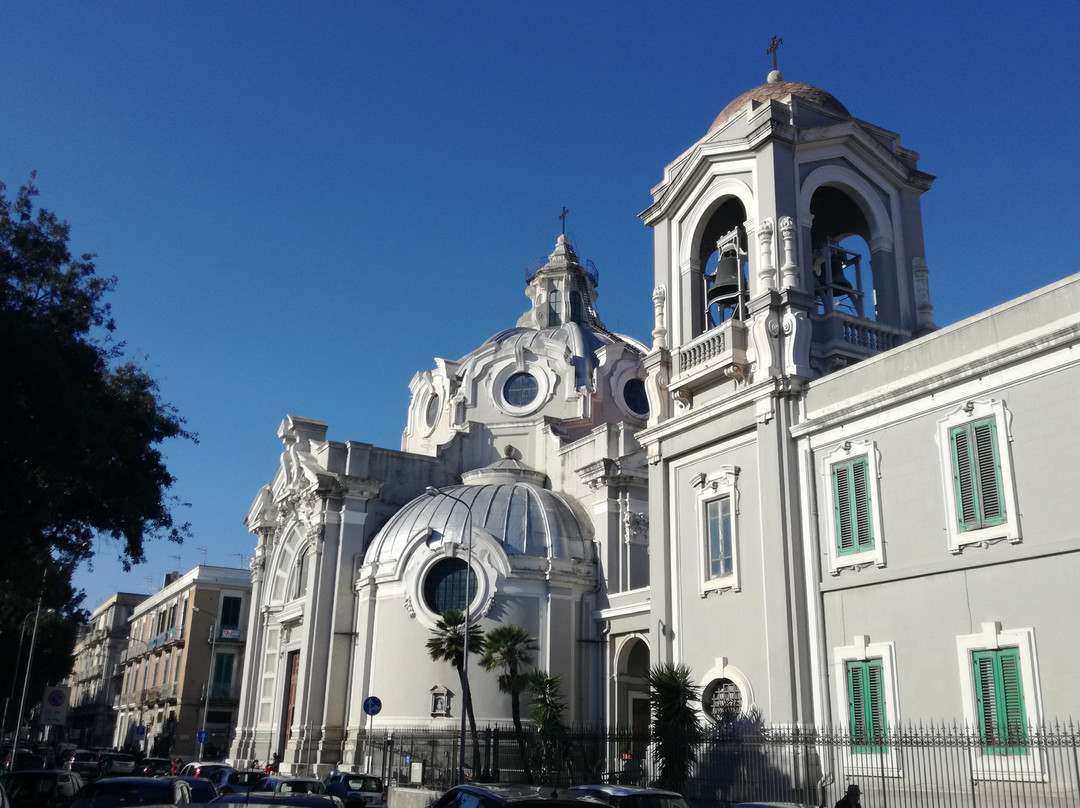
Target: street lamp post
26	683
209	672
15	672
432	491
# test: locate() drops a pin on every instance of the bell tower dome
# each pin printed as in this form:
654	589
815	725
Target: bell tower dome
789	244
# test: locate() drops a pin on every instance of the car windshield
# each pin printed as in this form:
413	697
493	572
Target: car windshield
301	787
117	793
243	778
363	784
24	787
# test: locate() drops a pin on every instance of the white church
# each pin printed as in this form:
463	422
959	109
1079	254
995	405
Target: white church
834	512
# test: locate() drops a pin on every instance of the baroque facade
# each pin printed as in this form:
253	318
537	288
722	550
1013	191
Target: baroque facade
832	511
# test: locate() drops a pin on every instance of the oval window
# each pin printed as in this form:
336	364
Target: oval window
520	390
432	413
444	586
635	398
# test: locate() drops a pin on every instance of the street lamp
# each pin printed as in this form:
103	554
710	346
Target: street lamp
15	671
432	491
26	678
209	673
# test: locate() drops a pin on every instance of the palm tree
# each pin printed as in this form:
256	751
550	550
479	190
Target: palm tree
547	713
446	645
676	732
510	647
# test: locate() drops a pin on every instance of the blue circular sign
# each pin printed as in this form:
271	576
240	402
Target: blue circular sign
202	736
372	705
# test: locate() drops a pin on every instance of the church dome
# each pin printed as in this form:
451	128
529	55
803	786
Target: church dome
779	91
507	502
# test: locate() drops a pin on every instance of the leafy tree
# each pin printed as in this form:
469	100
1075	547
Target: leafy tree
447	644
676	732
547	709
82	425
510	648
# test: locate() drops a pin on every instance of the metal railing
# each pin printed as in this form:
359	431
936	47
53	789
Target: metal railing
915	767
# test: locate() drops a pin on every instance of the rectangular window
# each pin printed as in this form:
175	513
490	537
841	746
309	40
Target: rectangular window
999	696
977	475
866	697
851	499
718	539
230	612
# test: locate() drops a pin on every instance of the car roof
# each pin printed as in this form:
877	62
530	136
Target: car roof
626	791
524	793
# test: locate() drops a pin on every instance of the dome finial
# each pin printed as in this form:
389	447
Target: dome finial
775	75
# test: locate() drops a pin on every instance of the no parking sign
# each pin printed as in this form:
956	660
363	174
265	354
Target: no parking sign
54	705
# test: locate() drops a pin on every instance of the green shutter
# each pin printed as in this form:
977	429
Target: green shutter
977	475
866	700
1000	701
851	503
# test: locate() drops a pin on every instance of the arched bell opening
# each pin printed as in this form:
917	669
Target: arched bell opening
840	242
723	258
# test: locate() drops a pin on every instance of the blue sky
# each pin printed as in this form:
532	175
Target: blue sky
305	203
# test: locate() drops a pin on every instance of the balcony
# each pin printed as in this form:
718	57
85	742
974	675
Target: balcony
845	338
224	693
718	352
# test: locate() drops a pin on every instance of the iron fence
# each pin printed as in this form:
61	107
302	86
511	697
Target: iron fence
943	767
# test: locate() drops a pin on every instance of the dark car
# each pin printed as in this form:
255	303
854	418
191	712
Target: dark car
24	760
155	767
358	790
50	788
202	788
269	798
630	796
199	768
287	785
117	764
88	764
494	796
235	781
112	792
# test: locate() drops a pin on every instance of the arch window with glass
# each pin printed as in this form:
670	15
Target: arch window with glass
554	307
300	574
445	586
520	390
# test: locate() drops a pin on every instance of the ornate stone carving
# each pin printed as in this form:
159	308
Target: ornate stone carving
635	527
790	270
682	398
660	314
766	267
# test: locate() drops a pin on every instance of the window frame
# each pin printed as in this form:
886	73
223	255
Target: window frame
983	531
868	758
1002	762
847	454
714	488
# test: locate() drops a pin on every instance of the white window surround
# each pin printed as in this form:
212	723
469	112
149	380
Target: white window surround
849	450
861	650
1009	529
990	766
718	484
501	372
722	669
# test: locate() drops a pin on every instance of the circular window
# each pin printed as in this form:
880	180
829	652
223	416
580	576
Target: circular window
520	390
722	700
635	398
431	415
444	586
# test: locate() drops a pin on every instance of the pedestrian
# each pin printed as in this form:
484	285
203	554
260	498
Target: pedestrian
254	763
337	769
851	798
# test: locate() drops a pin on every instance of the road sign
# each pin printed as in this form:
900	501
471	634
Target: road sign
372	705
54	705
202	736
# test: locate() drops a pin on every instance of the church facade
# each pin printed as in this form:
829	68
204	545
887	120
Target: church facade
832	511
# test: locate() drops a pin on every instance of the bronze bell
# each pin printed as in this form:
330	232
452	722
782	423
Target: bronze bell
725	281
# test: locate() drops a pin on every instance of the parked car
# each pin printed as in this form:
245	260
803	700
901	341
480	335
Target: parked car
288	785
357	790
24	760
496	796
117	764
155	767
202	788
47	788
84	762
201	769
270	799
235	781
630	796
112	792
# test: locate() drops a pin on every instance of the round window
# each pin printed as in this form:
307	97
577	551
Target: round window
634	396
444	586
520	390
722	700
431	415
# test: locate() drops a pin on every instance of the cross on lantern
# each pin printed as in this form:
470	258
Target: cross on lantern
774	46
563	217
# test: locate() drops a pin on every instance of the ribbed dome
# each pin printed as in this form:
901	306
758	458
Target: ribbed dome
779	90
523	517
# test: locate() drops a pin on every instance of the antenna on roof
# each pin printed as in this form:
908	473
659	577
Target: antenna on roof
203	551
244	559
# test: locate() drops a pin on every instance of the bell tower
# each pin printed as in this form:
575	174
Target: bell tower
788	244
